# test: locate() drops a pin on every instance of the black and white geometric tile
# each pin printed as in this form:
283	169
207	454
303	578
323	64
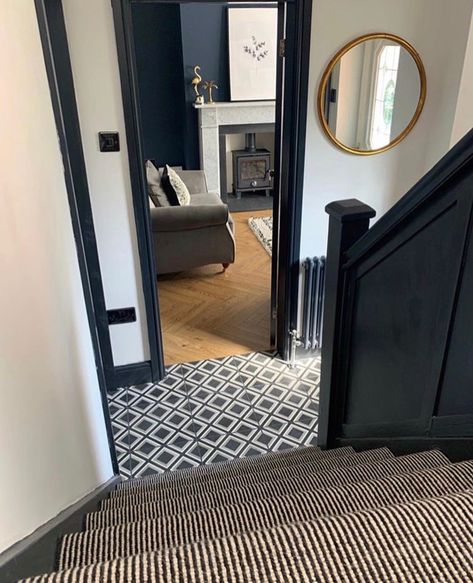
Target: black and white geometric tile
215	410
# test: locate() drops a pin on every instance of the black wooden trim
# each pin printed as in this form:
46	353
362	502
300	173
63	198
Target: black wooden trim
349	220
452	425
36	553
128	375
58	66
129	86
456	449
426	188
296	75
277	181
409	427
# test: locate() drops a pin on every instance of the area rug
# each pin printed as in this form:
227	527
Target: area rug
262	227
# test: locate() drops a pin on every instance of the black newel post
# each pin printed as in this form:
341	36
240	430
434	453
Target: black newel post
349	220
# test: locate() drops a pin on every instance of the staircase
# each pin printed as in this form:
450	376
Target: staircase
299	515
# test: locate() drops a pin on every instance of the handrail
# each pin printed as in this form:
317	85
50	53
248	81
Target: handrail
426	188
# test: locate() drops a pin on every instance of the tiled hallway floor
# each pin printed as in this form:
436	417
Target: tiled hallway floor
215	410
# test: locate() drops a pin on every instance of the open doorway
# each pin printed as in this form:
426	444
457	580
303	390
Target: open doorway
206	83
207	100
242	299
211	105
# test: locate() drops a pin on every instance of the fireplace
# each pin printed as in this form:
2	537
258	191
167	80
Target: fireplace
251	168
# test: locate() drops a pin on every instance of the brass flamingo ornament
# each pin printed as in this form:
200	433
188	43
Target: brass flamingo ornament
209	85
196	81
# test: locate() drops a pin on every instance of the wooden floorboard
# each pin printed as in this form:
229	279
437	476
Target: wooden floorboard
207	314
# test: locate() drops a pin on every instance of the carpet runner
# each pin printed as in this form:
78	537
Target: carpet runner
299	515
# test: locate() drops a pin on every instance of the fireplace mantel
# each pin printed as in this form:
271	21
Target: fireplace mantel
218	119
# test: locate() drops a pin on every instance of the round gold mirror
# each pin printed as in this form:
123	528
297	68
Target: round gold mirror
372	93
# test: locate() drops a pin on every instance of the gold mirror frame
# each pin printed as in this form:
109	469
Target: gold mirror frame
323	85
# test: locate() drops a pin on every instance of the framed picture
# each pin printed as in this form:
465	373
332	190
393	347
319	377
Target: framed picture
252	45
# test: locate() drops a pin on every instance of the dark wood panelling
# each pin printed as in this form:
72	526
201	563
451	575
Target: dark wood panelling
400	322
452	425
457	449
398	352
456	396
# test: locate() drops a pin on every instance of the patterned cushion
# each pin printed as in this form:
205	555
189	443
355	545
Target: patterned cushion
174	187
155	189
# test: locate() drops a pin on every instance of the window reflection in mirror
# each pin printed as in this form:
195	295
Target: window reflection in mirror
372	95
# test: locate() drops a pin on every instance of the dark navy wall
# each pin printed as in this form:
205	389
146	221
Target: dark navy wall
158	47
205	43
169	41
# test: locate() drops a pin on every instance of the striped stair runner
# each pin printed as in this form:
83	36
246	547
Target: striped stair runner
300	515
235	467
244	479
310	481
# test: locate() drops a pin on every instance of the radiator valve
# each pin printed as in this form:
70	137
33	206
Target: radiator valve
295	342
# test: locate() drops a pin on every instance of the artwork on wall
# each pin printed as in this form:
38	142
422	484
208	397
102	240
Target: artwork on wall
252	44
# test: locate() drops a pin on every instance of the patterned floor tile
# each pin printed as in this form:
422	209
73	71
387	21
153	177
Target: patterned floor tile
215	410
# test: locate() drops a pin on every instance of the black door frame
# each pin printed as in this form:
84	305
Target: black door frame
290	150
52	31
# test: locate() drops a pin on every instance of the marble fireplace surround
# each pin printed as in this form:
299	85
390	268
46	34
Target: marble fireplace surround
216	120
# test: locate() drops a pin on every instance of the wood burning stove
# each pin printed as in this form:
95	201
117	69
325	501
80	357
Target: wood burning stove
251	168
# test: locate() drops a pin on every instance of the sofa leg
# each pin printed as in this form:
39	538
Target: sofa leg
225	266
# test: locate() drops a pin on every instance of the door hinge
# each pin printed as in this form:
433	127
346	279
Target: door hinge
274	313
282	47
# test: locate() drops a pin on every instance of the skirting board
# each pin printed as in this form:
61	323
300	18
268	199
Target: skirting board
129	375
36	553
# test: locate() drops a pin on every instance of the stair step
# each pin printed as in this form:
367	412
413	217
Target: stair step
234	467
427	540
153	535
239	480
130	508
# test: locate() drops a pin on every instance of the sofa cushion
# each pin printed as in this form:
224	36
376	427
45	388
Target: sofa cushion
174	187
205	198
155	189
194	180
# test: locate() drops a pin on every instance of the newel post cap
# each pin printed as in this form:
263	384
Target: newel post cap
350	209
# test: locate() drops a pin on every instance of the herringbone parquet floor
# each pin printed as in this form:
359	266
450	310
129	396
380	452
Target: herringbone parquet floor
206	313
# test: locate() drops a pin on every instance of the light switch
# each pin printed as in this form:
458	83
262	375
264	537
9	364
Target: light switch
109	142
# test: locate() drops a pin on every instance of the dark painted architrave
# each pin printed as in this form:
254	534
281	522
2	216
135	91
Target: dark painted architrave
129	84
292	150
277	178
289	210
58	66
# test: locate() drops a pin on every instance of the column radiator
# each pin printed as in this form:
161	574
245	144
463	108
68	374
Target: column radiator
313	302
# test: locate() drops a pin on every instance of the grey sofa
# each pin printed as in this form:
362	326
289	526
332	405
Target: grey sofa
191	236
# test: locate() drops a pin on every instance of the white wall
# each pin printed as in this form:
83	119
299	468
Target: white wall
439	33
464	112
94	59
53	441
